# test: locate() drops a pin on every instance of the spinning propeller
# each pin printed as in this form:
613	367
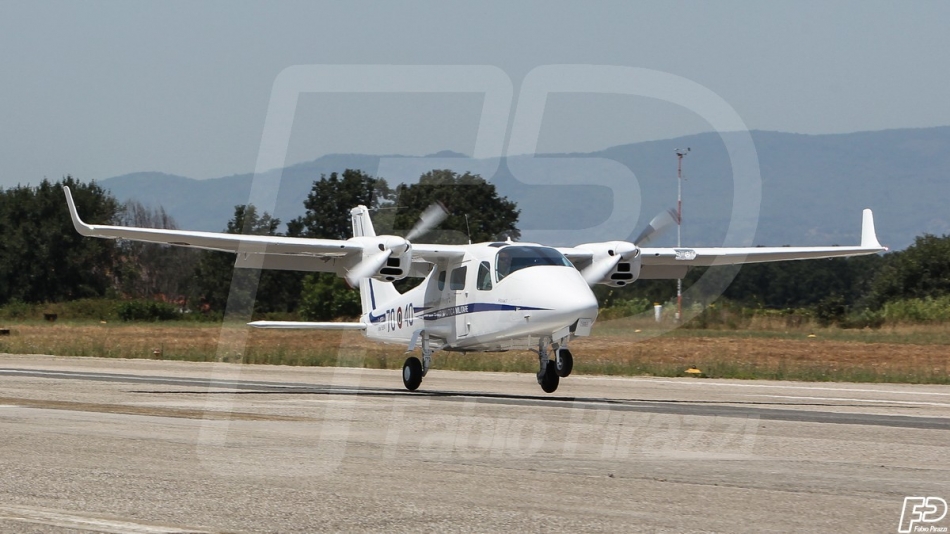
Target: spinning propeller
624	250
430	218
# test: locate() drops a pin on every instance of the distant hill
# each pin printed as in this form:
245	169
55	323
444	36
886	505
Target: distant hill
813	187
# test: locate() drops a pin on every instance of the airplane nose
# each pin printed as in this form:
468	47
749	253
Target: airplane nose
578	299
559	295
570	293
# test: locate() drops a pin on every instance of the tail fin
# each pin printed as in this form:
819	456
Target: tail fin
362	224
373	293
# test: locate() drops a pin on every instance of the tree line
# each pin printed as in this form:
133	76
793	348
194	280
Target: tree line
44	260
854	292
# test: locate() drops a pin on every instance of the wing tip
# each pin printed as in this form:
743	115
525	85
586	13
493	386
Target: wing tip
868	235
81	227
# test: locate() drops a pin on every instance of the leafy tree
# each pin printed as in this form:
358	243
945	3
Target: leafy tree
919	271
490	217
216	279
796	284
324	295
147	269
42	257
789	284
329	202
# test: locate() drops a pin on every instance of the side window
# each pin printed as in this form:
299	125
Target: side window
441	280
484	276
457	281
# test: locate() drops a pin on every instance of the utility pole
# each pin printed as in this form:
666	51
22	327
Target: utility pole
679	224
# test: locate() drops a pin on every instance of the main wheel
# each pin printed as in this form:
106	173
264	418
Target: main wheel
550	379
412	373
565	363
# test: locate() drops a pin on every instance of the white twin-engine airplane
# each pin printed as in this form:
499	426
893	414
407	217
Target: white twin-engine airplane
478	297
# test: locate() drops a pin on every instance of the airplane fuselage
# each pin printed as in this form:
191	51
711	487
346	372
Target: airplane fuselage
499	296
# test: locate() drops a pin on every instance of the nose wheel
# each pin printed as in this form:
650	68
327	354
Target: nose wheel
564	362
549	378
549	374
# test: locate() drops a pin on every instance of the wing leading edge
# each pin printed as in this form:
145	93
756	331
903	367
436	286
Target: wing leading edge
245	244
659	263
742	255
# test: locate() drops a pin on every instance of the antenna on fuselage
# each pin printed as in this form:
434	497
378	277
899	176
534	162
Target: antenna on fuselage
468	230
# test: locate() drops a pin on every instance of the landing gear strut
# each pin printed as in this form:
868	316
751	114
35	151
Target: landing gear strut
547	373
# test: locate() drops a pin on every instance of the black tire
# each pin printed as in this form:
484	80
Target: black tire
412	373
565	363
550	379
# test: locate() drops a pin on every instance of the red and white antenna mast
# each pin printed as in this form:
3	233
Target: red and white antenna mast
679	224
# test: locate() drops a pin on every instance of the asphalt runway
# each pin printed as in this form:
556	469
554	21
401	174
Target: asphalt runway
157	447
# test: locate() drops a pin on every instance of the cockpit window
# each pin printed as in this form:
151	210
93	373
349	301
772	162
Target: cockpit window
515	258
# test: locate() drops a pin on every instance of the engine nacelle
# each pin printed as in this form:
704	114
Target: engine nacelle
392	267
396	266
622	255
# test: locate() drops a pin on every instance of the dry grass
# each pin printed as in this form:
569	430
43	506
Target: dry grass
917	354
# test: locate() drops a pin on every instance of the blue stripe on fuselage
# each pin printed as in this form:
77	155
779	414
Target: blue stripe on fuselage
474	307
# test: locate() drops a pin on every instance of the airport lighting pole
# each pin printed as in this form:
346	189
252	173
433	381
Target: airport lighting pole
679	224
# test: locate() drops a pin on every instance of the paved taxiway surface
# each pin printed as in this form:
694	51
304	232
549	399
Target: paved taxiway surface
148	446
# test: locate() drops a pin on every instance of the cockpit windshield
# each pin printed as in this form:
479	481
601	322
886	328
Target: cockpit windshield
515	258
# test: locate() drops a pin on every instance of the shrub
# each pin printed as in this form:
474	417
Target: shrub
722	314
626	308
148	310
863	319
925	310
101	309
16	309
830	310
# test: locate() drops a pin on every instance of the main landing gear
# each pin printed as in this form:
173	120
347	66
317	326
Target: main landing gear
412	373
414	370
550	371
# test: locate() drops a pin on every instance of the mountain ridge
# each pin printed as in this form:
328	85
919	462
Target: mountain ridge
813	186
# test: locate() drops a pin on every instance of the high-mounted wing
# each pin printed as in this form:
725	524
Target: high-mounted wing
292	252
741	255
618	263
436	254
345	258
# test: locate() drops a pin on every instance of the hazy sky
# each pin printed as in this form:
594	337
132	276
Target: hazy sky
98	89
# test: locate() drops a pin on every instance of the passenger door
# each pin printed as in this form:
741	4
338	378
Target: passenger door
457	287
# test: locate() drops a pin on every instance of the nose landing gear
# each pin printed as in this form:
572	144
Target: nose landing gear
549	378
551	371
